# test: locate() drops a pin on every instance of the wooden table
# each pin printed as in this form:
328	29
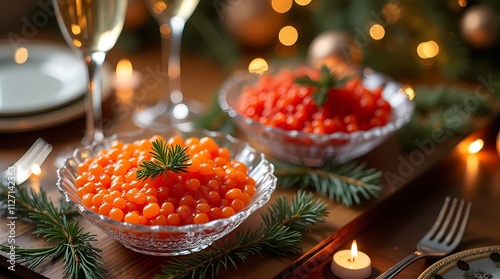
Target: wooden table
395	232
396	205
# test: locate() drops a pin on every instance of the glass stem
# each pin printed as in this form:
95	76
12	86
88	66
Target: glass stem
94	130
174	60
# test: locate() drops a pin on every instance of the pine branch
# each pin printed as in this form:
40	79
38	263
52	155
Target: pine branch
301	213
80	258
165	158
343	183
280	236
28	202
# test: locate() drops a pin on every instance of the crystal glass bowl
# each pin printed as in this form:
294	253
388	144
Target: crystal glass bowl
171	240
312	149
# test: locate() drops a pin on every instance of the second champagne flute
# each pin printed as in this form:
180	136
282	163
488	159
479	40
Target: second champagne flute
171	109
92	28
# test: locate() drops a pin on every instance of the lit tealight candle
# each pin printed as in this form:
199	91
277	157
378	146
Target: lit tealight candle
351	264
125	76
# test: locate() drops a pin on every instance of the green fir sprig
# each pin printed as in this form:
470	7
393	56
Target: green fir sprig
279	235
67	239
341	182
326	81
29	202
165	158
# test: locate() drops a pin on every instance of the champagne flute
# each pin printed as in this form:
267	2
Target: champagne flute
91	27
171	109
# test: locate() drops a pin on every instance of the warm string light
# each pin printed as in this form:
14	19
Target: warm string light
281	6
288	35
408	90
426	50
258	66
303	2
377	31
21	55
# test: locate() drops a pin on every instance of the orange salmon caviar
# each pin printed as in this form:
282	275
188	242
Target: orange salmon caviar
214	186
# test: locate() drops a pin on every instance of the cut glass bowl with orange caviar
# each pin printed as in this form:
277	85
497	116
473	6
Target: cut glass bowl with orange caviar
279	117
173	214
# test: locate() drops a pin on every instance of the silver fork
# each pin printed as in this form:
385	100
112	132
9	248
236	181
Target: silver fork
21	170
443	237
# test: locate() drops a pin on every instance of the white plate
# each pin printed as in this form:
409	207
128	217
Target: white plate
50	118
51	76
475	263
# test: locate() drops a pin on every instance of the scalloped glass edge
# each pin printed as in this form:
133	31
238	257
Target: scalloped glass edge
259	168
398	119
401	114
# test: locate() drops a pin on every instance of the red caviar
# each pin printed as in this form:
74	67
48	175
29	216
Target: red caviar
280	102
214	186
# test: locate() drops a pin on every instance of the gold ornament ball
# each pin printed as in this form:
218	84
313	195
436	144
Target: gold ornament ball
332	47
253	23
478	27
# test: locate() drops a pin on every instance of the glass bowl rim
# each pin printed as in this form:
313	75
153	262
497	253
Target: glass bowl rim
395	122
214	224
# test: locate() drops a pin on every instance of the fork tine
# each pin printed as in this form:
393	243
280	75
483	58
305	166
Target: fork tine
463	226
437	224
456	221
446	224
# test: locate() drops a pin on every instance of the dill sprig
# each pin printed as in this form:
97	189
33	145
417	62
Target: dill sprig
340	182
165	158
326	81
80	258
279	235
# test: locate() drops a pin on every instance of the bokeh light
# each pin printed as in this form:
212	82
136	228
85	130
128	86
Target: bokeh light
258	66
377	31
288	35
281	6
475	146
409	91
428	49
303	2
21	55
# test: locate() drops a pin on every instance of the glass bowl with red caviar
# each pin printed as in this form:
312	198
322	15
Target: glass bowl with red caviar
225	181
285	118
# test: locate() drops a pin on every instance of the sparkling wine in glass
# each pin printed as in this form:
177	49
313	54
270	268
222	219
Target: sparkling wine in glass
171	109
91	27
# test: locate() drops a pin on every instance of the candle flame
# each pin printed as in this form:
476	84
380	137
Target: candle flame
124	70
475	146
36	170
354	251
